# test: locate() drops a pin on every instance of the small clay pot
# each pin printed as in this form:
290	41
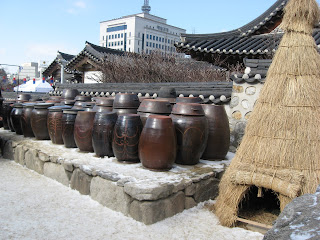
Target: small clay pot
83	130
39	118
102	133
69	94
158	143
26	119
54	123
126	136
126	100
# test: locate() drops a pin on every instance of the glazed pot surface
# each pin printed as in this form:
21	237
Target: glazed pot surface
69	94
26	120
126	134
83	130
15	116
39	118
189	100
126	100
68	120
158	144
155	106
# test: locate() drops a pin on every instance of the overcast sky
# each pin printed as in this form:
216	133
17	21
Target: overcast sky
35	30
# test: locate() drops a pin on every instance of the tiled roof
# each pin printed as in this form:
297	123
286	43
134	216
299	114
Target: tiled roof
62	58
254	40
256	71
93	52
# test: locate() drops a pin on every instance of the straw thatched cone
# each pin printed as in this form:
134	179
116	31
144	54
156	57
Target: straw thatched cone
281	147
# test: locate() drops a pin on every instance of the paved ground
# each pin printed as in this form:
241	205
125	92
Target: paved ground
35	207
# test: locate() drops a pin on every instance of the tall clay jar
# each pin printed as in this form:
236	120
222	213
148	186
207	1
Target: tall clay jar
83	130
219	132
39	118
10	107
54	123
15	118
6	110
68	119
102	133
26	119
158	143
126	136
192	132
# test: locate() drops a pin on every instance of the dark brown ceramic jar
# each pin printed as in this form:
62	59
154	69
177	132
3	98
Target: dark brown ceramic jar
158	143
123	111
69	94
153	107
219	132
39	118
192	132
10	107
26	119
126	136
15	118
54	123
23	97
126	100
82	98
102	133
6	110
189	99
68	120
103	104
83	130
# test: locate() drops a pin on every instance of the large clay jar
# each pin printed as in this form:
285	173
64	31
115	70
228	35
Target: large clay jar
15	117
126	103
102	133
10	107
153	107
192	132
126	136
26	119
219	132
23	97
158	143
69	94
103	104
83	130
68	120
54	123
39	118
5	112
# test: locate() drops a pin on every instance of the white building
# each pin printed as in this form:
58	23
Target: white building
29	71
139	33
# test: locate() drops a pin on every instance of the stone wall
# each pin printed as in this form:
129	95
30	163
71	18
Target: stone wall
244	95
144	195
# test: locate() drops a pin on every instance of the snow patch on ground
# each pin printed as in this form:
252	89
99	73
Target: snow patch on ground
35	207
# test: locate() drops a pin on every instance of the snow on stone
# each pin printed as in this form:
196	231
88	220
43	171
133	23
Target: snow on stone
35	207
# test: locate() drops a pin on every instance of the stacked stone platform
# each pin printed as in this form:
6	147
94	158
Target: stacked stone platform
147	196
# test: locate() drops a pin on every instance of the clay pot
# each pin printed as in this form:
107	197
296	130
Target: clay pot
192	132
123	111
5	112
69	94
39	118
102	133
99	108
10	107
219	132
54	123
153	107
104	101
88	106
82	98
55	98
189	100
15	118
158	143
126	136
126	100
67	121
83	130
68	102
23	97
26	119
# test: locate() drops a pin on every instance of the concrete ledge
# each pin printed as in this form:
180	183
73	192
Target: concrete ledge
144	195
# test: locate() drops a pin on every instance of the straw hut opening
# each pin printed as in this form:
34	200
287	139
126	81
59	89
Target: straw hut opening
279	156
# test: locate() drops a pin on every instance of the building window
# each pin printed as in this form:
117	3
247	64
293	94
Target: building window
162	39
162	47
138	50
129	42
147	44
152	44
153	38
147	36
121	35
117	28
150	37
157	45
138	42
156	38
121	42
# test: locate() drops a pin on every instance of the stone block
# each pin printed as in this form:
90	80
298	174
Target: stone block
190	203
19	154
206	189
80	181
109	194
150	212
43	157
190	190
7	150
33	162
67	166
148	191
56	172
